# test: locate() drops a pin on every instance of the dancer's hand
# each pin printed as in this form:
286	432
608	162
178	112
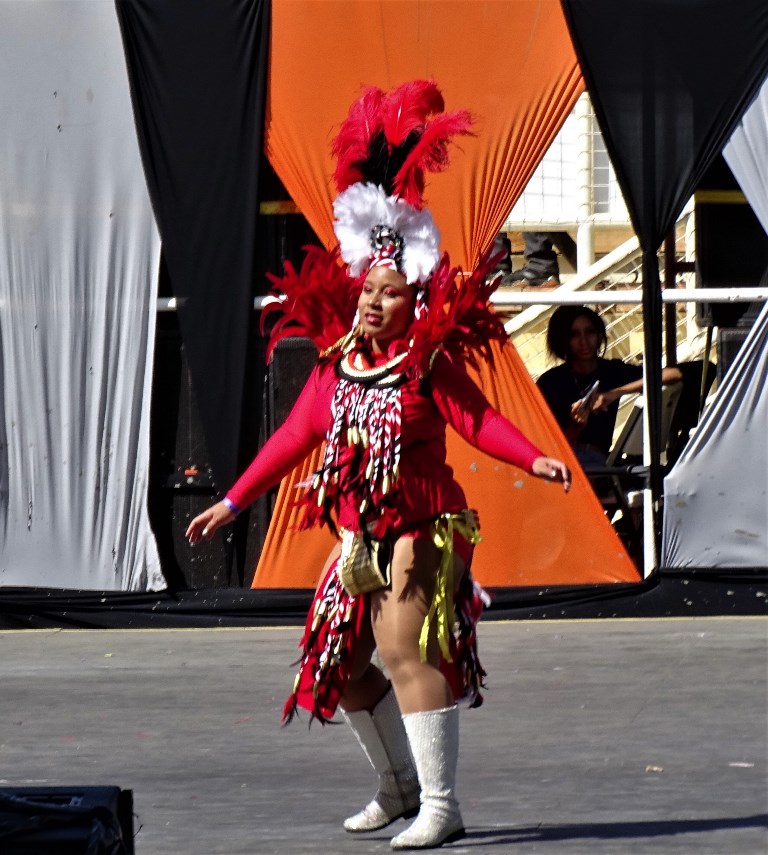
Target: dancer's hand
552	469
204	525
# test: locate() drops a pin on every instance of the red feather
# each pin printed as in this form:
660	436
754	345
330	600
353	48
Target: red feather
350	148
317	302
408	107
430	154
459	320
412	108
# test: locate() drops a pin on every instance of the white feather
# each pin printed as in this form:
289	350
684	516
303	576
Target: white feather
361	207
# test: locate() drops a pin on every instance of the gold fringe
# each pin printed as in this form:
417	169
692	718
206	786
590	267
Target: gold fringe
441	607
342	343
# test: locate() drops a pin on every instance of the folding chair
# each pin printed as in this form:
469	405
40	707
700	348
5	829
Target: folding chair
628	447
619	484
698	377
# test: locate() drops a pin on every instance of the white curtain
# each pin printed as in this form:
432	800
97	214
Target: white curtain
747	155
716	496
79	254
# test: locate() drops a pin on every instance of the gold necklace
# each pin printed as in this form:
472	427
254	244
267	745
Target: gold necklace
381	374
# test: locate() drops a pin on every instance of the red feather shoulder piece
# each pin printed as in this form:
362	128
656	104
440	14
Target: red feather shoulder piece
318	301
459	318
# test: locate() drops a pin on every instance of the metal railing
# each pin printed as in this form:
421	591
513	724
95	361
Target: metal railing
613	285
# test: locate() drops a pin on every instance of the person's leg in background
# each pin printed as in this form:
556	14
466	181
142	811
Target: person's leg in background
541	266
502	247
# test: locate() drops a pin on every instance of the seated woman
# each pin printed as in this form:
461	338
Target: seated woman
577	335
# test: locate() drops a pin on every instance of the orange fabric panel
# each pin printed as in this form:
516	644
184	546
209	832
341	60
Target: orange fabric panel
533	533
510	62
292	558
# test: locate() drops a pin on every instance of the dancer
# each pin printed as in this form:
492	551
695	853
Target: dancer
394	325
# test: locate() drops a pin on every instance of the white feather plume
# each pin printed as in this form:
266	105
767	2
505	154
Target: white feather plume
361	207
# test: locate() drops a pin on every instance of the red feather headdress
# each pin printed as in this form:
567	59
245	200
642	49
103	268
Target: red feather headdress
392	139
384	147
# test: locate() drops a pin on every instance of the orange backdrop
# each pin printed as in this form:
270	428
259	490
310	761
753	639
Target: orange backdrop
512	64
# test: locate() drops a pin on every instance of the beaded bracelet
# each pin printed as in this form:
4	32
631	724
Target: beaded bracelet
231	506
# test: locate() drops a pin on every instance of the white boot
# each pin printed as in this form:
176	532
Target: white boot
385	743
434	738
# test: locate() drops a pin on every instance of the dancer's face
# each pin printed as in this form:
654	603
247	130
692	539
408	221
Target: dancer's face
386	306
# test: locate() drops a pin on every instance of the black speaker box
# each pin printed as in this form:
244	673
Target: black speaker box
731	245
292	362
66	821
729	342
181	480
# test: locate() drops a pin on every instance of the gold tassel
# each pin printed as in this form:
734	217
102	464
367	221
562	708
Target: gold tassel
441	608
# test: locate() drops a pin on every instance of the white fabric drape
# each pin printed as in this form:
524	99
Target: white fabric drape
79	254
746	153
716	496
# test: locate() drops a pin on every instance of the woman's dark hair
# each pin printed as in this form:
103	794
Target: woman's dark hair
559	330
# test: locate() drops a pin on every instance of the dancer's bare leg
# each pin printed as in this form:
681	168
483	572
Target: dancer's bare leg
397	616
367	685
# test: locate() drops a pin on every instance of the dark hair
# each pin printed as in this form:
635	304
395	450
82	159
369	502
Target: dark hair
559	329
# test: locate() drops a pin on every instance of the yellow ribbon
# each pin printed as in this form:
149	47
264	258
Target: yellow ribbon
441	608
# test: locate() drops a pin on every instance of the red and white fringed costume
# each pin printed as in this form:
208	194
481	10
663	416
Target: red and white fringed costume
383	416
384	466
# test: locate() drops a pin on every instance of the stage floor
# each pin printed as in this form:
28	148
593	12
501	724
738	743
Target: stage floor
607	736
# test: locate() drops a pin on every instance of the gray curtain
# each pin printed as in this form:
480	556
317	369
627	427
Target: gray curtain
79	257
716	496
747	155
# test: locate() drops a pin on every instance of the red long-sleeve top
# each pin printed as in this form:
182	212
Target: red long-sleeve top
427	487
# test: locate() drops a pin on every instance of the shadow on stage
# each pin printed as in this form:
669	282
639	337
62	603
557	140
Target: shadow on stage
641	830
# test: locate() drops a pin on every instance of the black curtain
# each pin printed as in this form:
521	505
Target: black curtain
198	74
669	80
